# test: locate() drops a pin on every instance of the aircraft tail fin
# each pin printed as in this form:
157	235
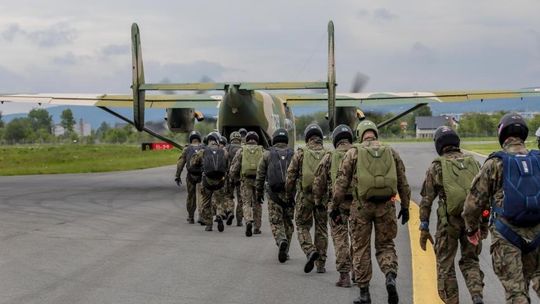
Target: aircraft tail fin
331	85
138	78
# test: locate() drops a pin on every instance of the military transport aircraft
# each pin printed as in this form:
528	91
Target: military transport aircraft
247	104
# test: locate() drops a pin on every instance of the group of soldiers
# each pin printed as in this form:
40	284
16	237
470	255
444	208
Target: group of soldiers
357	186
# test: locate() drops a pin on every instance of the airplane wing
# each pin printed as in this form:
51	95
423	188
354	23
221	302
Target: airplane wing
115	100
398	98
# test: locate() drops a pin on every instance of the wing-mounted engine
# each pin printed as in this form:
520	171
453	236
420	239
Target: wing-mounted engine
182	120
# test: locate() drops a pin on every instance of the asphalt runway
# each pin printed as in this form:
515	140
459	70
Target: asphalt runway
123	238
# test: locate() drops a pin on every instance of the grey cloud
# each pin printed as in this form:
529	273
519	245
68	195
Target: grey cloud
184	72
67	59
422	53
384	14
54	35
115	49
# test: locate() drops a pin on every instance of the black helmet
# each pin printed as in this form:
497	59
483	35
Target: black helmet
243	132
252	135
280	136
213	136
312	130
194	135
223	140
342	132
512	124
444	137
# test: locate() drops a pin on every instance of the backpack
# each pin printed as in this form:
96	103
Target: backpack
188	154
457	177
278	162
311	160
521	186
337	158
214	167
376	173
251	155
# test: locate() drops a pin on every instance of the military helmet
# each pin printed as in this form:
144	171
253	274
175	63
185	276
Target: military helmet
215	136
512	124
444	137
342	132
235	135
252	135
280	136
223	140
364	126
312	129
243	132
194	135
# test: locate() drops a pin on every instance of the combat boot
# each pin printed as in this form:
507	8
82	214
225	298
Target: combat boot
477	299
365	297
344	280
191	220
249	226
208	228
230	219
220	226
312	257
282	255
321	269
201	222
239	223
393	297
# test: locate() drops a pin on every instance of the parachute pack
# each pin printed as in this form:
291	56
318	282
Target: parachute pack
376	173
251	155
279	161
189	152
214	167
337	158
311	160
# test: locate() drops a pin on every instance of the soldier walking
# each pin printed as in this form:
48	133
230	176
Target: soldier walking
193	177
234	187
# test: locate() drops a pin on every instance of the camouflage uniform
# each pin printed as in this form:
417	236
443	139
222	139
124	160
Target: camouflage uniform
191	202
233	189
281	219
514	269
252	210
305	210
322	187
365	214
212	202
450	234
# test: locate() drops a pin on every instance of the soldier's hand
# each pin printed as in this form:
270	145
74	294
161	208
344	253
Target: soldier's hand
474	237
335	215
178	181
424	237
404	215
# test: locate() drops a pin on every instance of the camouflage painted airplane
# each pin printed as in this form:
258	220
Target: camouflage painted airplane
248	105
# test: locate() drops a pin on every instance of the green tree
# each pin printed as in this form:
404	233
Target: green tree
534	124
1	121
19	130
67	121
41	120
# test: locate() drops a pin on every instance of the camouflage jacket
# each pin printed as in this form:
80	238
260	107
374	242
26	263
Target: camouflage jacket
487	187
346	176
236	168
263	167
433	185
181	163
322	184
294	172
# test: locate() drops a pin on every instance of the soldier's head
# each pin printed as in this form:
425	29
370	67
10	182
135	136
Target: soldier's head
538	137
223	140
194	137
235	137
342	132
280	136
243	132
512	125
311	131
213	138
445	138
366	130
252	138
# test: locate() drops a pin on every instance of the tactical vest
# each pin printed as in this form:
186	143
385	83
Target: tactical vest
214	167
311	160
189	151
457	177
376	174
251	155
278	162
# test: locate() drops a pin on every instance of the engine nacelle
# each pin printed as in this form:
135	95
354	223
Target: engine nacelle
182	120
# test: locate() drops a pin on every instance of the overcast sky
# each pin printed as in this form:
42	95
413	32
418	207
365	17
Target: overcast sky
84	46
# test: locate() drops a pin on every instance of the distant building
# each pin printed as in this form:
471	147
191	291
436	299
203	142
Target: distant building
82	129
58	130
426	125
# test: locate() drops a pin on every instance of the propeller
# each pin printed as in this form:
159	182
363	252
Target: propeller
359	82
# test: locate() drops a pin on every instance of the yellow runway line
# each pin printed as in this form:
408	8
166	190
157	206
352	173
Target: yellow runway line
424	274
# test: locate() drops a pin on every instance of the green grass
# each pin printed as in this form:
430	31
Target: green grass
55	159
489	147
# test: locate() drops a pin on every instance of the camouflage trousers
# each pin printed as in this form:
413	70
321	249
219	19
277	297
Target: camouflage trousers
212	203
281	221
515	270
233	191
305	215
191	201
448	238
342	245
252	209
364	216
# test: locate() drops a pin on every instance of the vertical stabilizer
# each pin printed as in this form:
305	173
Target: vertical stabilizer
138	78
331	78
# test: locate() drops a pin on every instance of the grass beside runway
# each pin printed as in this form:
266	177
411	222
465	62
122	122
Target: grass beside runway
57	159
486	148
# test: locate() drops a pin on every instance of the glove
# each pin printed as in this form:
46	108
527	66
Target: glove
473	236
424	237
335	215
178	181
404	215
